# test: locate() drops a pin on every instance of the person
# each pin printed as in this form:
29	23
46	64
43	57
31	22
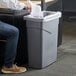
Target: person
15	4
12	34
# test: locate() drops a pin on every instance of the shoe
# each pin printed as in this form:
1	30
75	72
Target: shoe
13	69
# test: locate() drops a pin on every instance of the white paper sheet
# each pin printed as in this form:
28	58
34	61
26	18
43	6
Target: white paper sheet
36	10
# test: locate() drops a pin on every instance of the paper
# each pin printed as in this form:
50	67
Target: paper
36	10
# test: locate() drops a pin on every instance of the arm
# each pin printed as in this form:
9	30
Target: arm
14	4
3	3
1	6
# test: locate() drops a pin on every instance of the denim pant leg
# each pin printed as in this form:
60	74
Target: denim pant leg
12	34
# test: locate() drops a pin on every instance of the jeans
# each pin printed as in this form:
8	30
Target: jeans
12	34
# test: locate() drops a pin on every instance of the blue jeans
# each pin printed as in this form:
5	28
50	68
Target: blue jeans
12	34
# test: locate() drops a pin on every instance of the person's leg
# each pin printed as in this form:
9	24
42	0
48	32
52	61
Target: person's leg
11	33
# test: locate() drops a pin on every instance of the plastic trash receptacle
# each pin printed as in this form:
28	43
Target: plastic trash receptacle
42	36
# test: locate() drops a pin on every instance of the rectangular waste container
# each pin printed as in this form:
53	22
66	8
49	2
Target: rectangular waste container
42	36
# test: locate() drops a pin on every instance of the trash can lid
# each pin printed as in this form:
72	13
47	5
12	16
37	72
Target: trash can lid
47	15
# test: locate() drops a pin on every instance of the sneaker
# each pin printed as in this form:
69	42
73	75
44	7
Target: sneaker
13	69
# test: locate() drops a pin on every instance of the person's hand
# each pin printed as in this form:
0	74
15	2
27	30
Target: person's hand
28	6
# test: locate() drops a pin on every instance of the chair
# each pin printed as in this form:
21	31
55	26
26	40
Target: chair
2	49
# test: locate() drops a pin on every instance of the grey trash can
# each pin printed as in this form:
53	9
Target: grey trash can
42	36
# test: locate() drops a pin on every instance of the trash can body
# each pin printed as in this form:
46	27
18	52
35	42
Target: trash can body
42	41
